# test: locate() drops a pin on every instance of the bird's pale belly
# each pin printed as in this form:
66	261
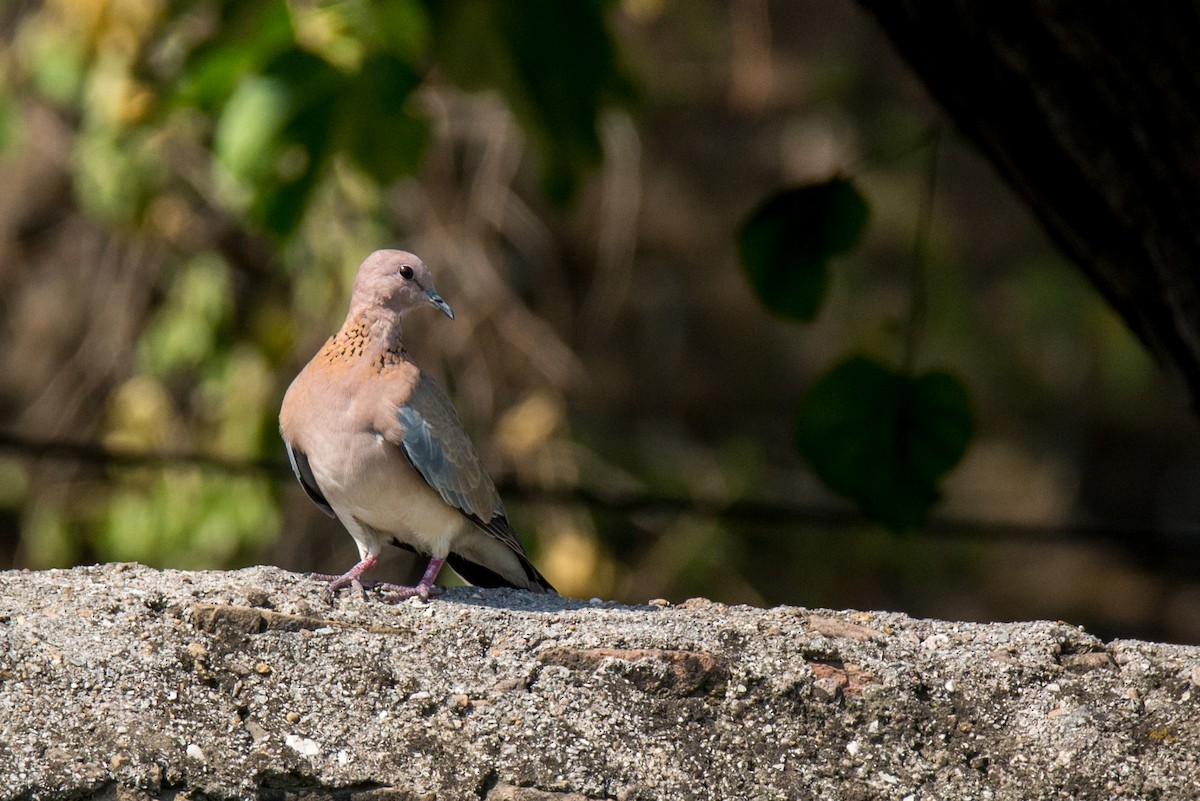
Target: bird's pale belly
379	495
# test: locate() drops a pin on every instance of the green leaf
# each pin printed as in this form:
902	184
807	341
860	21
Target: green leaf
10	123
184	332
379	135
56	60
116	175
305	149
245	134
248	36
402	26
275	135
555	64
786	245
884	439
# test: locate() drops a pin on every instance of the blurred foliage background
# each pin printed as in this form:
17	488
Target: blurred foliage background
190	186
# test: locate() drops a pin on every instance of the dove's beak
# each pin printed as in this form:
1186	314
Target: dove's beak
436	300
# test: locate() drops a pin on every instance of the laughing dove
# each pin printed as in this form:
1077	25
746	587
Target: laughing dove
376	444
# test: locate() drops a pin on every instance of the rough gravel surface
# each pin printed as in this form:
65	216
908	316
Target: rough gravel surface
122	682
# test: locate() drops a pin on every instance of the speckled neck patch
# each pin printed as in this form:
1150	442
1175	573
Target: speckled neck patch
356	340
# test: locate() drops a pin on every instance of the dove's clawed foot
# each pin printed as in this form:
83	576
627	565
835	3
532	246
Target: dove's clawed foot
352	578
424	588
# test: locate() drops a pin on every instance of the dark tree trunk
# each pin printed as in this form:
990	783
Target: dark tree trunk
1091	110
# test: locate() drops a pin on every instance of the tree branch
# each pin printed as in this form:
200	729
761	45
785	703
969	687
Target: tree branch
1091	111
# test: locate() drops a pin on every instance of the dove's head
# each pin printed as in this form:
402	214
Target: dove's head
398	281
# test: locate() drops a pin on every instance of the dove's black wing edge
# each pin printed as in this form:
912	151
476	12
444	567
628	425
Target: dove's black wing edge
499	528
480	576
477	575
304	475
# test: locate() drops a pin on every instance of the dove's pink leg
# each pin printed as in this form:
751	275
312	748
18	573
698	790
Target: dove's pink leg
351	578
424	588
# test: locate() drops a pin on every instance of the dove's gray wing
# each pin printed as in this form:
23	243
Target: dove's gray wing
435	444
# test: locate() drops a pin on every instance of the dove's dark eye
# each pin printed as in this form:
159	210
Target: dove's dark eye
406	271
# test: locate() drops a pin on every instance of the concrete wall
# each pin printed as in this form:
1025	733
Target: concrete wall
119	681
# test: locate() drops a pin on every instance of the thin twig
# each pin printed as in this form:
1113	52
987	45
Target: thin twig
919	300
